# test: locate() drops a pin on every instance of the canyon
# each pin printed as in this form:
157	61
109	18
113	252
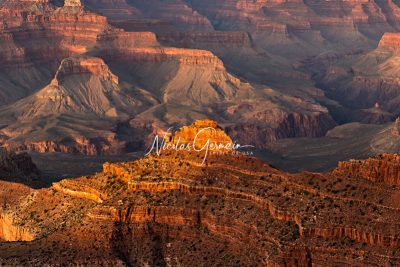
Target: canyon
93	71
250	66
366	82
310	86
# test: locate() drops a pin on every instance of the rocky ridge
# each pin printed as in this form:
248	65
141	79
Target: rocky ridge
202	134
234	209
383	168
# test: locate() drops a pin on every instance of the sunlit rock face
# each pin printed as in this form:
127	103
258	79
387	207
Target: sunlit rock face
84	65
384	168
72	3
203	133
390	41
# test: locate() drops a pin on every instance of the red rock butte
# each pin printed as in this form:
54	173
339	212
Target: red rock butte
202	132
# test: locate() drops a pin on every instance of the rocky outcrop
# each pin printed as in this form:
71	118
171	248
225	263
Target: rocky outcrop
201	134
89	194
390	41
384	168
11	232
72	3
84	65
179	76
17	167
116	39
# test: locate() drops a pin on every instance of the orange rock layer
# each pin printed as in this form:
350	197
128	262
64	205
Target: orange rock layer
84	65
203	134
384	168
390	41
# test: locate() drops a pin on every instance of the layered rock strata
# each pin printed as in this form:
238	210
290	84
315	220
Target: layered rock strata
384	168
232	210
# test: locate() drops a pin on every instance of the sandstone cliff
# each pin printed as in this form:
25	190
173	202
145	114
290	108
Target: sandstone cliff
384	168
203	134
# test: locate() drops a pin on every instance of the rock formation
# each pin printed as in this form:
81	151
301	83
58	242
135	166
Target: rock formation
82	65
234	210
184	76
36	38
72	3
201	134
83	87
18	167
384	168
69	92
372	78
390	41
